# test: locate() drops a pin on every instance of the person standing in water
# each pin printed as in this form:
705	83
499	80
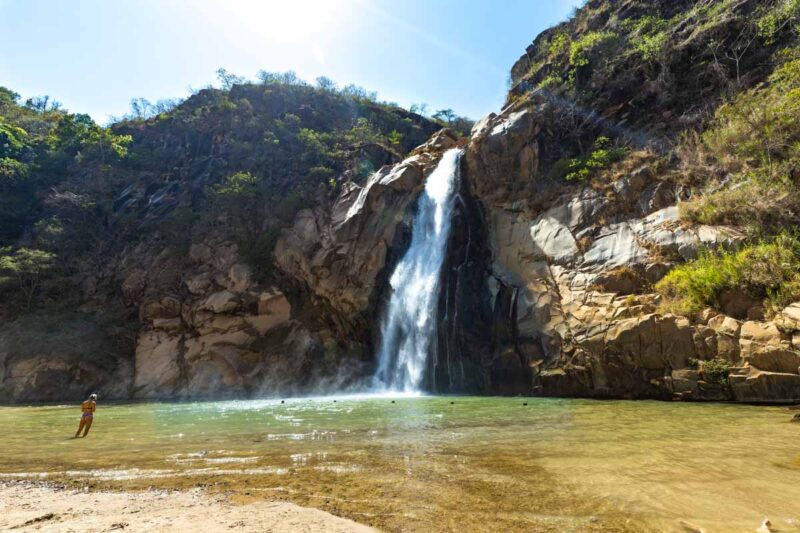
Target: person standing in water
87	415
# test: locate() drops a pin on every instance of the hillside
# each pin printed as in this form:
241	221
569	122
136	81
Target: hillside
86	210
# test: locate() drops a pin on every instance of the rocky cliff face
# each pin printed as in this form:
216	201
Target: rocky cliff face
569	283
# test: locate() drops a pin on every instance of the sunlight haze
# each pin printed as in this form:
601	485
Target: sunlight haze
101	54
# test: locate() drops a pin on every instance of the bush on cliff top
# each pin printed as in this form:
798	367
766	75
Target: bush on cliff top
755	141
769	270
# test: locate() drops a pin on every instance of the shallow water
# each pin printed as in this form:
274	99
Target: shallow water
426	464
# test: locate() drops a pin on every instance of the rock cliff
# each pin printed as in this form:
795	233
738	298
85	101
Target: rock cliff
570	212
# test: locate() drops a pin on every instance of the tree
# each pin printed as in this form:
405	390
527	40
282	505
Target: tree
326	84
42	104
238	185
228	79
25	269
420	109
141	108
7	97
445	116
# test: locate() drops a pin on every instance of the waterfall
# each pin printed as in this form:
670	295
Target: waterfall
408	332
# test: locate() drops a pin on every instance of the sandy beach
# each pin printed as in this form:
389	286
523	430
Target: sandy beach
33	506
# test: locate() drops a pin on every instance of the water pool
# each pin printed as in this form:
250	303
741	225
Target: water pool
440	463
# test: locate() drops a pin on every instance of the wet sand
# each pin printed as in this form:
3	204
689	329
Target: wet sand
37	506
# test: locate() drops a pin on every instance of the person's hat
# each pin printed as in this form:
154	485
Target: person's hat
93	396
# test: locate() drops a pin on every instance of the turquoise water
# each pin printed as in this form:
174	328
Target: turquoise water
438	463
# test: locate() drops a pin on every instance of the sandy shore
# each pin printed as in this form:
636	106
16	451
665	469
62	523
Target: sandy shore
30	506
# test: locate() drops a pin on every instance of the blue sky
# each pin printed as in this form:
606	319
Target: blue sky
95	55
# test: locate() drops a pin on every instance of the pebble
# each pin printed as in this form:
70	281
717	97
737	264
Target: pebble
766	527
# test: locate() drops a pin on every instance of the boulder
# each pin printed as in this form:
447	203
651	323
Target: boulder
758	337
725	325
167	307
221	302
240	276
199	284
615	246
168	324
789	318
737	303
760	386
775	359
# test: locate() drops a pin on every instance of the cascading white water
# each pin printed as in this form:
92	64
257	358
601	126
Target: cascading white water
409	326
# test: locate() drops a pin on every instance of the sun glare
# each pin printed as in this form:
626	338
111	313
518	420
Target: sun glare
281	21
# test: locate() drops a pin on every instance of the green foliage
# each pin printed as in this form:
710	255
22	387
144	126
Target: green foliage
558	45
550	82
647	36
758	129
766	270
715	371
777	17
12	138
755	204
363	132
238	185
12	171
755	139
24	270
395	138
259	152
600	156
581	51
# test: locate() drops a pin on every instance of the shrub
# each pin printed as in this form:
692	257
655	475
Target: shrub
769	270
758	129
715	371
601	156
647	36
238	185
755	140
582	51
754	204
784	13
558	46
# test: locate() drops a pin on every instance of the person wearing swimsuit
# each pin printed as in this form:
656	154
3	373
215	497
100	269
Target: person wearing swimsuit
87	415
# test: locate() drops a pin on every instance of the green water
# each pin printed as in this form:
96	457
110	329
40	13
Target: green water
424	464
